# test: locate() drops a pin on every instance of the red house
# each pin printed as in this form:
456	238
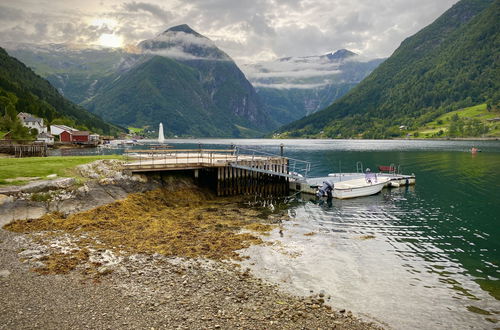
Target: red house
65	136
80	136
74	136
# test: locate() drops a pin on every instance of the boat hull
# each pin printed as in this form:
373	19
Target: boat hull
345	192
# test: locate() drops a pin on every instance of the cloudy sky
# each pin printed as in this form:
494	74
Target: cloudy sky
248	30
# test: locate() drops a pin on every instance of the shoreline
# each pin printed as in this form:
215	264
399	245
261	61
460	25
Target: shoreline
153	291
399	139
49	281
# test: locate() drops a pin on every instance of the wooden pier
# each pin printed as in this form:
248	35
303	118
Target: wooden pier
225	170
20	149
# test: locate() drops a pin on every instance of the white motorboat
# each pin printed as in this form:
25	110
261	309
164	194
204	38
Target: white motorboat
369	184
358	187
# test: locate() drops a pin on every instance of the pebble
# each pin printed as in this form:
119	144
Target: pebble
4	273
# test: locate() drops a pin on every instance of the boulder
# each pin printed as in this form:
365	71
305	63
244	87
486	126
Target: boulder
46	185
5	199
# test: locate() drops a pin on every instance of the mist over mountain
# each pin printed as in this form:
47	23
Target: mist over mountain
77	72
293	87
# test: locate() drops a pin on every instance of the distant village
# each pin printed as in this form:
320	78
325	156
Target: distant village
59	133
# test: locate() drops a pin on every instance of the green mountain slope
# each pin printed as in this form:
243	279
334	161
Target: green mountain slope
22	89
142	97
451	64
186	82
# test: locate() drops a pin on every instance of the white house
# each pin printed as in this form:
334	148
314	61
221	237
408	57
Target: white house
30	121
58	129
45	137
94	137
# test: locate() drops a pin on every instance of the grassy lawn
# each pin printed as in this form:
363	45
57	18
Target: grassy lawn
42	166
135	130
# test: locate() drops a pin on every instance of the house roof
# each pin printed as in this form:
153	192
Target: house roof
45	135
80	133
64	127
28	117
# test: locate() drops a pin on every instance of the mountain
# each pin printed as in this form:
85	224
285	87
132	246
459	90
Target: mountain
183	80
21	90
293	87
450	64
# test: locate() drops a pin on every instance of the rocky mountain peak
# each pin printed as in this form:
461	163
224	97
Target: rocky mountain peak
183	43
340	54
183	28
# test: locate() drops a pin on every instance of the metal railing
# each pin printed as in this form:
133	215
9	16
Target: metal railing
155	158
296	168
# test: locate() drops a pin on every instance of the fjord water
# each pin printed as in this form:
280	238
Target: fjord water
426	256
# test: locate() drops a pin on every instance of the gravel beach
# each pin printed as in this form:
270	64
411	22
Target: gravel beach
153	292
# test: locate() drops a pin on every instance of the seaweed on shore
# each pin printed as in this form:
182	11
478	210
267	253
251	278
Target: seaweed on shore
187	222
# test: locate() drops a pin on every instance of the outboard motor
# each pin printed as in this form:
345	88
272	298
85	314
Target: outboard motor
325	190
370	177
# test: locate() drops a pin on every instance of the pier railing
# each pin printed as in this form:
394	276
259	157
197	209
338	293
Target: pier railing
237	157
158	158
294	168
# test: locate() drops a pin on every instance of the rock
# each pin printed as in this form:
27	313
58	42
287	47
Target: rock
10	190
46	185
4	273
51	176
5	199
139	178
342	310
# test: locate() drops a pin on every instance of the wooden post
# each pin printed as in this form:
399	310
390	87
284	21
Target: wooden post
218	181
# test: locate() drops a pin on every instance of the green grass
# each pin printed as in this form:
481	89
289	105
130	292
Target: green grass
135	130
479	112
42	166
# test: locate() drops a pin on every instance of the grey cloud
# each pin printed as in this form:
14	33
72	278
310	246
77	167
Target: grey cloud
176	45
153	9
290	85
180	54
10	14
41	29
248	31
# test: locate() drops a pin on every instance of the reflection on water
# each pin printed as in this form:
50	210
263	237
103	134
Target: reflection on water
421	257
381	256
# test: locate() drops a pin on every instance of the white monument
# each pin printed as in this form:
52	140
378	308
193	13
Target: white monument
161	137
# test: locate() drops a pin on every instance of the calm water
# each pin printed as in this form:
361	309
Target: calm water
424	257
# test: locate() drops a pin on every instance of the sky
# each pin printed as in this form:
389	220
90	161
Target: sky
248	30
